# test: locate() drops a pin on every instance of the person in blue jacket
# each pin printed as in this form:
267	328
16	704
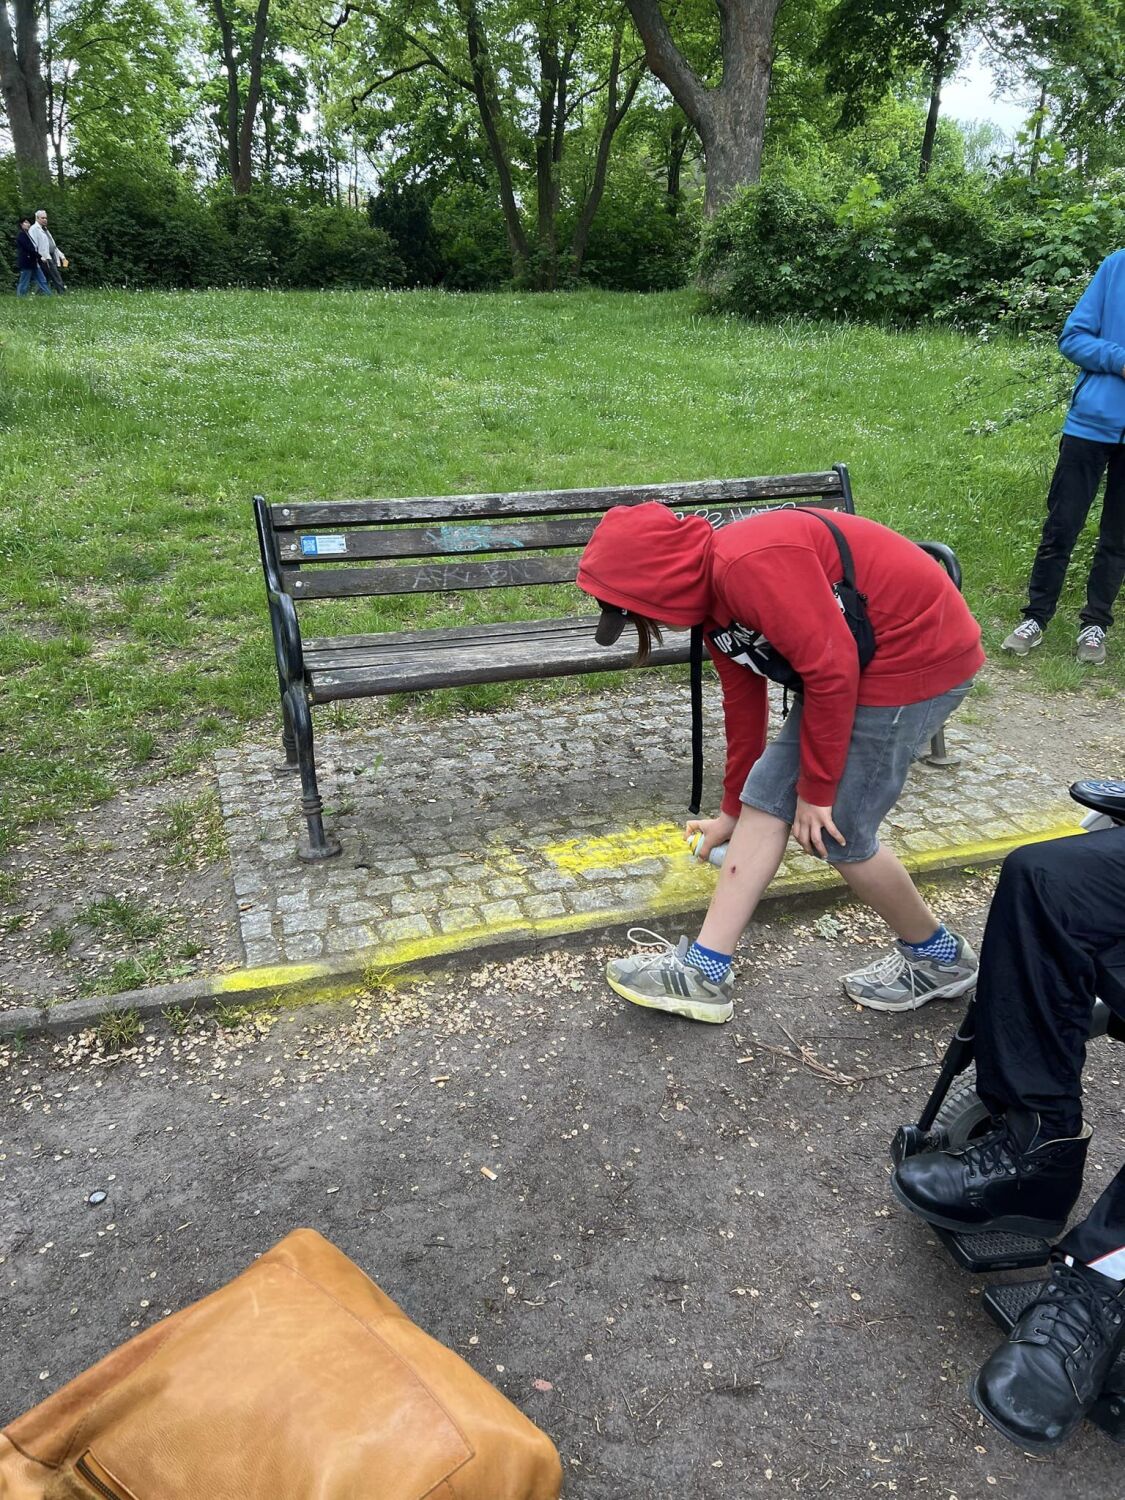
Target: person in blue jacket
1093	442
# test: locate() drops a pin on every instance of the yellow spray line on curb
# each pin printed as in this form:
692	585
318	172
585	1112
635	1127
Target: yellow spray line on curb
686	886
612	850
283	975
683	886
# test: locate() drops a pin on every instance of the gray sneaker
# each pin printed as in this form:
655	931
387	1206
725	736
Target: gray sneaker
1091	645
1027	635
661	980
899	982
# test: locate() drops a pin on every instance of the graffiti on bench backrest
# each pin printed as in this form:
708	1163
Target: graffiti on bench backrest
720	518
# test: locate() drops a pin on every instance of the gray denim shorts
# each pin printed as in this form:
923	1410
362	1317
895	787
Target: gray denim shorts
883	746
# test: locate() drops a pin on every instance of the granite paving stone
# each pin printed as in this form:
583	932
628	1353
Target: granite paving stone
564	810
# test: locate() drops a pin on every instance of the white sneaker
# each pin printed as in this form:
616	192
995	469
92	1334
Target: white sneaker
1091	645
900	982
1026	636
661	980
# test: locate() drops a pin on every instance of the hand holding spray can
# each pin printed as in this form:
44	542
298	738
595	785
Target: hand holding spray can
717	855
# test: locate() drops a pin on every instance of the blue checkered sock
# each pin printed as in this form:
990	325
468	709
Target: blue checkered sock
713	966
941	948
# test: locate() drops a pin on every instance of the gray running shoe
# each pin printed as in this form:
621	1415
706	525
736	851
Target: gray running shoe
899	982
1091	645
1026	636
661	980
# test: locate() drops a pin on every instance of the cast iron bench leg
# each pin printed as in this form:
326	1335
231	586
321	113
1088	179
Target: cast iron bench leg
288	739
938	755
319	846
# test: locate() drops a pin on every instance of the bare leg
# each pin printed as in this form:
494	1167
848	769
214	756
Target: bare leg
756	848
883	884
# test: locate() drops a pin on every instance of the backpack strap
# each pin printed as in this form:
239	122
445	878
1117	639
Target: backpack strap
842	547
695	659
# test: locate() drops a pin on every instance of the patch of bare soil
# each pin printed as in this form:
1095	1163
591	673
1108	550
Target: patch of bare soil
136	891
1071	735
674	1246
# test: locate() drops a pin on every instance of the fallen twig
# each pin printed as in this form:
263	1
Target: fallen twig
806	1057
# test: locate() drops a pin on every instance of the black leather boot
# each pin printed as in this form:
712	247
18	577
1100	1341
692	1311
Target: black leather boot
1041	1382
1008	1180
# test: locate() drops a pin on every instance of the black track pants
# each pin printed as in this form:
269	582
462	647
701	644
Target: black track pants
1075	483
1057	906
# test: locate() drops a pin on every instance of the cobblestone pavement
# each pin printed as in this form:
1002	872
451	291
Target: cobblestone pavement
542	818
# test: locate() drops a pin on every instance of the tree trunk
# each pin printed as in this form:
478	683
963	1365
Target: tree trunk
1040	116
941	58
677	149
489	117
230	62
730	119
614	114
24	91
239	119
243	180
546	177
732	145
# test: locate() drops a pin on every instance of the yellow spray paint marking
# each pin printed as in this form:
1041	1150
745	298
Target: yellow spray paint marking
659	841
684	886
281	975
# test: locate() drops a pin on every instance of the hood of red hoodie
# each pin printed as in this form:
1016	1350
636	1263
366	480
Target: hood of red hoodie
646	559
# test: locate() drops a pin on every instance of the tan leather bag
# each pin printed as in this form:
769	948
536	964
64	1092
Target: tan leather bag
298	1380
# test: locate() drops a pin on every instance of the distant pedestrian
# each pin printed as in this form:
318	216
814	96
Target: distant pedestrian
51	257
1093	442
27	256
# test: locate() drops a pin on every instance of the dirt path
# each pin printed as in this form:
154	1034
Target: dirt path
689	1234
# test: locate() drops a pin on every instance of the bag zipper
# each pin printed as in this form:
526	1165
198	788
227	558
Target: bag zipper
82	1465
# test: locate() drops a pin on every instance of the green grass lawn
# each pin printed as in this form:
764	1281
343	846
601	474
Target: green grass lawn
135	427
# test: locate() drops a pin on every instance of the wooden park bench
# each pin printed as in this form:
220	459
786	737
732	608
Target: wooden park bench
348	549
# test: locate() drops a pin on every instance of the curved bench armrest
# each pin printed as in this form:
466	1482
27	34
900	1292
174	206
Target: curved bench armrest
946	556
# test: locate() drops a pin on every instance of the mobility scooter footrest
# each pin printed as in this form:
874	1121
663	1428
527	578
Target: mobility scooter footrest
994	1250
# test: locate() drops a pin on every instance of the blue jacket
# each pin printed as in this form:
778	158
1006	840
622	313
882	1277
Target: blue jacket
1093	338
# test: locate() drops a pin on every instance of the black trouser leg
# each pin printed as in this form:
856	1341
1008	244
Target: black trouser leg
1073	487
1108	569
1100	1239
1057	905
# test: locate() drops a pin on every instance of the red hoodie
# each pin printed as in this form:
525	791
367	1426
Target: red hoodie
774	573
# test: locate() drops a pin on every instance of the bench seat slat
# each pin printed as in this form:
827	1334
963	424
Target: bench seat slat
700	494
488	631
370	666
499	573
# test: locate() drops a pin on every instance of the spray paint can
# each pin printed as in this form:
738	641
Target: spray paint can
717	855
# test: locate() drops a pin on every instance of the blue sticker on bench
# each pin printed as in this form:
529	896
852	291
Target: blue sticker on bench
324	546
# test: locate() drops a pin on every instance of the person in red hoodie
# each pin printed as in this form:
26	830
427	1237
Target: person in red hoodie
769	587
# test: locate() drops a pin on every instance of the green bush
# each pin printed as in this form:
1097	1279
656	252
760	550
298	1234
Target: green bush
763	254
472	240
128	229
956	249
404	211
278	242
132	231
639	241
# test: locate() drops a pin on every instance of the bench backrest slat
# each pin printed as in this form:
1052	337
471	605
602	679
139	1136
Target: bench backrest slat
429	578
442	540
553	502
315	550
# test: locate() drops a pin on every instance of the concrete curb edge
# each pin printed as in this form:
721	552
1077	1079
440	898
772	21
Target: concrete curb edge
292	984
